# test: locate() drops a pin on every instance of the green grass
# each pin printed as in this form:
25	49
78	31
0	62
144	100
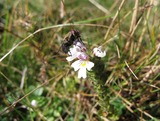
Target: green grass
122	86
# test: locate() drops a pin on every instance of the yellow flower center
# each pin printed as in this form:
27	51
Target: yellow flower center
84	63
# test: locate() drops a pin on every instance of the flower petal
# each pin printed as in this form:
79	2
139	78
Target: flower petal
98	52
89	65
70	58
81	46
82	73
73	53
82	56
76	65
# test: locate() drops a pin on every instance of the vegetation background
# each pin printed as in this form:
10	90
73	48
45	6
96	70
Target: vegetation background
37	83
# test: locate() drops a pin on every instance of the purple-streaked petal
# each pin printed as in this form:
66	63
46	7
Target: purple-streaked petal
82	56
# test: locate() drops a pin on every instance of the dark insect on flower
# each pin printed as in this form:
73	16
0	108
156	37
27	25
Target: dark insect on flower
72	39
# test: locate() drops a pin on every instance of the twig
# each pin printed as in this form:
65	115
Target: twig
145	27
150	72
132	32
134	16
111	39
111	25
99	6
62	10
23	77
118	52
131	70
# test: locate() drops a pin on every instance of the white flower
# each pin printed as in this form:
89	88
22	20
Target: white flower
82	66
34	103
77	52
98	52
73	53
